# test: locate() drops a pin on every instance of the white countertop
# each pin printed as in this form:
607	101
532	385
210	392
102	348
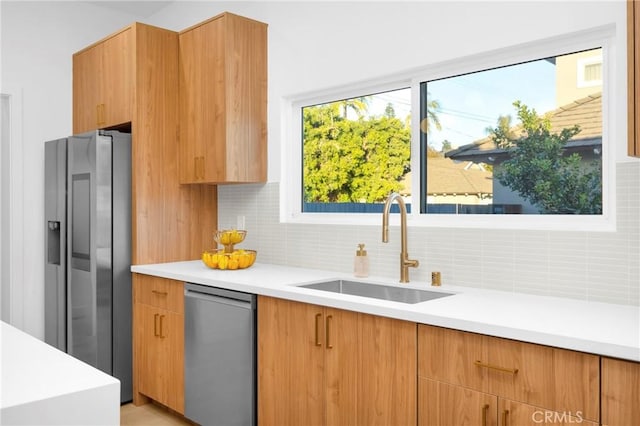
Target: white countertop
593	327
43	385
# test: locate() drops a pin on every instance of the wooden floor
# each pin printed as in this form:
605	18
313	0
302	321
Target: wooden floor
150	415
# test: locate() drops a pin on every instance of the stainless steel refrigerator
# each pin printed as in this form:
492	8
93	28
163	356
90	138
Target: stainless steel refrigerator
88	251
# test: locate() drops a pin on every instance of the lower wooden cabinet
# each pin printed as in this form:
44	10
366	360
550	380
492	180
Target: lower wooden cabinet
620	392
467	378
326	366
158	333
445	404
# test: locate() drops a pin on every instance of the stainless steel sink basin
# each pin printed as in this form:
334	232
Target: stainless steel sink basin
377	291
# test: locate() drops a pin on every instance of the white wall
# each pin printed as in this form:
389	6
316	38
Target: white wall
38	39
311	46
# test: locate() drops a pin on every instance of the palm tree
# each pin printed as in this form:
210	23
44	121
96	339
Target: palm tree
431	116
358	105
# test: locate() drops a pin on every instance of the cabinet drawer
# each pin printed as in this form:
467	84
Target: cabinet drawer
556	379
159	292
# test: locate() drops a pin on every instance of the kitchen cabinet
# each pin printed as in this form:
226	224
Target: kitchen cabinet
326	366
548	379
103	82
158	324
620	392
633	77
133	74
223	101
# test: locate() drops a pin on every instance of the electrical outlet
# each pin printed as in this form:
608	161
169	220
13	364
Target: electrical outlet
240	222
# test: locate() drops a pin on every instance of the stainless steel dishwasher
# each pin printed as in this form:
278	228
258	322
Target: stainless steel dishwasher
219	356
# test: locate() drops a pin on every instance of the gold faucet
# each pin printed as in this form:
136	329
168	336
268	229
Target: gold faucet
405	262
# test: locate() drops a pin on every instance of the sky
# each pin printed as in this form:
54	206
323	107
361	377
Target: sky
471	103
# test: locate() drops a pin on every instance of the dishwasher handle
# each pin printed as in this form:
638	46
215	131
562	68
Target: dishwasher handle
217	299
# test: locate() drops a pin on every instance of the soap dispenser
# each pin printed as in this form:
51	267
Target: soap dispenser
361	262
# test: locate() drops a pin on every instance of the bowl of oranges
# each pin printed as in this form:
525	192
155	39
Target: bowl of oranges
229	258
238	259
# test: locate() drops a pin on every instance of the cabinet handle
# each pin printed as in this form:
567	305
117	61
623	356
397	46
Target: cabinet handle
485	408
162	336
328	343
318	342
159	293
198	167
100	115
505	415
155	325
479	363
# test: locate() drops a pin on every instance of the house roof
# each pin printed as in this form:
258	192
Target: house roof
445	176
585	112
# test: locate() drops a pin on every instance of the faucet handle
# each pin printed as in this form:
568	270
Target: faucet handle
412	263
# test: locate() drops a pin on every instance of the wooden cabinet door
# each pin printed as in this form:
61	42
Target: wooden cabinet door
171	366
150	356
620	392
388	371
118	83
341	351
291	346
511	413
88	72
223	101
559	380
445	404
160	347
103	83
201	78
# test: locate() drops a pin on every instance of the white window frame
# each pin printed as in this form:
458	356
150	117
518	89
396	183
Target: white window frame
291	177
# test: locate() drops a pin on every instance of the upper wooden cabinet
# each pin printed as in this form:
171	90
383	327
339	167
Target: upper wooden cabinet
103	82
131	77
223	101
325	366
633	62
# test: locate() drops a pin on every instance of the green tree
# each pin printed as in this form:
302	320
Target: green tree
540	172
359	160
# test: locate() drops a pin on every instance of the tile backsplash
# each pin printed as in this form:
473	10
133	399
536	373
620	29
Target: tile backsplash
593	266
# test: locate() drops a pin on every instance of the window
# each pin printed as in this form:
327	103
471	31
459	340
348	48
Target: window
505	139
355	152
519	139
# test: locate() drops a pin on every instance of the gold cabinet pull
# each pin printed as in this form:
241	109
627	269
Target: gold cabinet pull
162	336
155	325
479	363
100	115
328	343
198	168
202	168
485	408
318	342
159	293
505	415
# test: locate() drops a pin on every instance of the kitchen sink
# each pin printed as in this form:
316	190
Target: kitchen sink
377	291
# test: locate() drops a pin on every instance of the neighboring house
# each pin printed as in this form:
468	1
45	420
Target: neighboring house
585	112
458	182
